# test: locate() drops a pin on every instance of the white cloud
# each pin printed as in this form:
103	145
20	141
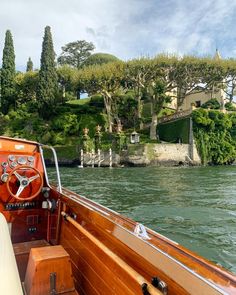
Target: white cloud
126	28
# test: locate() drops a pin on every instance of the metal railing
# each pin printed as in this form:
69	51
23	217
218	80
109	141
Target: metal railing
56	165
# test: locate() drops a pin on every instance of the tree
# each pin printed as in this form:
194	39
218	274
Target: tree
99	59
158	97
105	80
67	77
48	85
138	74
26	85
76	53
7	74
29	66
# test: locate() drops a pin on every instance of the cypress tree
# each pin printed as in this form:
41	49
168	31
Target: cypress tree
7	74
48	85
29	66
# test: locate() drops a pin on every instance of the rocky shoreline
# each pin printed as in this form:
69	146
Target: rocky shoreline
139	156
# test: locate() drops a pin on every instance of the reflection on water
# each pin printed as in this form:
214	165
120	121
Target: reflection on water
195	206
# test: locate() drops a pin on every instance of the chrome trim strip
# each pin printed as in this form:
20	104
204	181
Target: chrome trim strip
164	237
89	206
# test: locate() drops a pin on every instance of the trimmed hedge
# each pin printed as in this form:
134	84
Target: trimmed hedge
177	131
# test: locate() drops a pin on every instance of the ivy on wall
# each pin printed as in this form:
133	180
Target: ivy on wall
214	133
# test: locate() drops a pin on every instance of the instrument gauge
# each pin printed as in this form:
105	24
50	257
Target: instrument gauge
4	177
4	164
11	158
13	164
22	160
31	159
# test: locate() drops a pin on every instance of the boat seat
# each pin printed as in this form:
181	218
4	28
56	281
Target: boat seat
10	283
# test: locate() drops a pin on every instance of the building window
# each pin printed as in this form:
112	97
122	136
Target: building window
198	103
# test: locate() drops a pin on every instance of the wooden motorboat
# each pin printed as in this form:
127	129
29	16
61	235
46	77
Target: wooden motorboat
54	241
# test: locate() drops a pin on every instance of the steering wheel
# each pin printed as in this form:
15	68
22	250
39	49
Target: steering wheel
23	181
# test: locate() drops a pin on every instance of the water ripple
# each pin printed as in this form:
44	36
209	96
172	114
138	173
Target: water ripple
195	206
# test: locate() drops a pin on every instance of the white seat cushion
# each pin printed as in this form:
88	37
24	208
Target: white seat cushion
10	283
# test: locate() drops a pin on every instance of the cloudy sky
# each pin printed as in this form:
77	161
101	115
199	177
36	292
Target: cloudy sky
125	28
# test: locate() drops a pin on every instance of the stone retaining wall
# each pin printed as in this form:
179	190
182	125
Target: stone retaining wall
161	154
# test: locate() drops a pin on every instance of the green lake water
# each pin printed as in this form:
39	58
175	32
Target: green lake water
194	206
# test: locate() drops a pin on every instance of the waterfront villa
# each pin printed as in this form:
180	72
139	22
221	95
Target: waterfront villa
199	95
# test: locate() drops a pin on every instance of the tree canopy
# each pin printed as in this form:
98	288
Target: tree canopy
76	53
7	74
48	80
123	86
99	59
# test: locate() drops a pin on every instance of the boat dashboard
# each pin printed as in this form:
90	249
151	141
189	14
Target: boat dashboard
22	189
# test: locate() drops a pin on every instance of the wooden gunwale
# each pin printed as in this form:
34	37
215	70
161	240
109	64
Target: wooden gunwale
94	265
220	278
135	275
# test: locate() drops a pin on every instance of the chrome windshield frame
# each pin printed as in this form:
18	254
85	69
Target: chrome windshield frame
41	146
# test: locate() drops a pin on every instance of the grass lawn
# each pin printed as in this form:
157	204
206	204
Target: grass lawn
79	101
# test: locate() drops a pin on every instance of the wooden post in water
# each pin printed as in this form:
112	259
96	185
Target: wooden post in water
110	158
81	158
99	158
191	139
93	158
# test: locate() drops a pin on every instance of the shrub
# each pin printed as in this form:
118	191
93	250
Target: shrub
230	107
211	104
214	136
97	101
66	123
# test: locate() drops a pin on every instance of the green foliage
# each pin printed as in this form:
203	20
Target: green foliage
79	101
127	92
22	123
104	80
76	53
4	120
201	118
25	86
90	121
232	117
230	107
97	101
175	132
127	110
68	152
211	104
99	59
7	74
48	84
166	112
67	77
214	136
67	124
